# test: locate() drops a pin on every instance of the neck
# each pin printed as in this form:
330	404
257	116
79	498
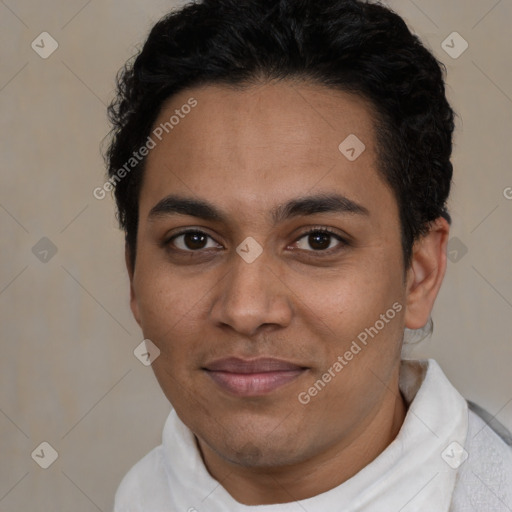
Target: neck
325	471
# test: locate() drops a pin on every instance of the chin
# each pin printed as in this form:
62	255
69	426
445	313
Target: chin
255	449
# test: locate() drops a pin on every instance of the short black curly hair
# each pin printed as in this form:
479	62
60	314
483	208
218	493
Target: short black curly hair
350	45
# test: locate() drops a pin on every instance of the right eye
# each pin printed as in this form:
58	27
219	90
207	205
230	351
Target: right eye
190	240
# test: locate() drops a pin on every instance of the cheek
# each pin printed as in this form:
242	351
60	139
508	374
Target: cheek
166	302
170	317
359	317
348	300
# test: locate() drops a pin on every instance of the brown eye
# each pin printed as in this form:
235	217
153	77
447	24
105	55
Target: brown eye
191	241
320	240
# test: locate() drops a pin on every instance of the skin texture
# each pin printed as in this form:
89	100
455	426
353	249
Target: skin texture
247	152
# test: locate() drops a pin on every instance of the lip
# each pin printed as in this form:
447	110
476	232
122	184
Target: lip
252	377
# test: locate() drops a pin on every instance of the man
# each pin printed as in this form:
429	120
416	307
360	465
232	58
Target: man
281	171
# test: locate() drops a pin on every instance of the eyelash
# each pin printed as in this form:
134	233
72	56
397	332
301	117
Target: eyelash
317	229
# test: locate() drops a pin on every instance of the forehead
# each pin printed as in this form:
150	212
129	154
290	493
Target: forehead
255	147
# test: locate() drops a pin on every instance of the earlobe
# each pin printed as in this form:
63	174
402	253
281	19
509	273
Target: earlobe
134	306
426	274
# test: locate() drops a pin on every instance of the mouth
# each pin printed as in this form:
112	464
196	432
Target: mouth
252	377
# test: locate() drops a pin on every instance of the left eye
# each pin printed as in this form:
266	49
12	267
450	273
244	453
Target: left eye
318	240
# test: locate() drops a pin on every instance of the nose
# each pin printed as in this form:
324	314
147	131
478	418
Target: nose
252	296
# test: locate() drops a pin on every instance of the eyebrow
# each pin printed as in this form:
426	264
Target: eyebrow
301	206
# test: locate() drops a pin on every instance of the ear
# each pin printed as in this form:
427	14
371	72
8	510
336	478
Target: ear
426	273
134	306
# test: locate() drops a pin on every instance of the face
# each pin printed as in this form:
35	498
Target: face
297	256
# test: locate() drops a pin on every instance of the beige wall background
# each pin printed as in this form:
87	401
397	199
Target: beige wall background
68	375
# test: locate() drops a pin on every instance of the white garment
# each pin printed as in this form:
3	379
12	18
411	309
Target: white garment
414	473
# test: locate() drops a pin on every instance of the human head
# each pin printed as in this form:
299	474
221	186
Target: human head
350	45
269	113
